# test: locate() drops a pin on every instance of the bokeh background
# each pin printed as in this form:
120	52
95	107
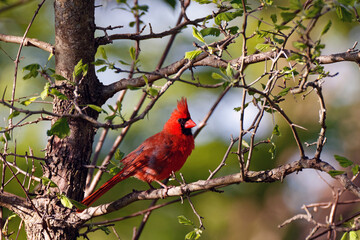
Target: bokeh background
244	211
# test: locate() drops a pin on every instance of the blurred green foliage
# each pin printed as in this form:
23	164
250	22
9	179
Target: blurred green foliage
244	211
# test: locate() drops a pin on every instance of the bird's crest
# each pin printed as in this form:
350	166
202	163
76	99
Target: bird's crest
180	116
182	108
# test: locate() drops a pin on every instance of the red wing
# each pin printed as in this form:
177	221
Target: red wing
150	159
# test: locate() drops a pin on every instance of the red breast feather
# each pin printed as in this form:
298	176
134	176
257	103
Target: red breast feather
167	151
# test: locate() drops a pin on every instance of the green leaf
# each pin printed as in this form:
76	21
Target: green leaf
296	57
65	201
191	235
281	27
153	92
236	4
244	144
105	229
102	52
78	69
343	161
60	128
203	1
288	16
262	46
343	14
183	220
45	92
132	24
334	173
284	92
283	8
114	170
276	131
227	16
47	182
272	150
278	40
58	94
198	233
103	69
210	31
192	54
171	3
146	80
132	87
110	118
345	236
273	18
299	45
31	67
233	30
99	62
295	4
215	75
355	169
326	28
29	101
8	220
96	108
14	114
141	7
196	34
33	71
315	9
50	56
123	62
111	108
269	2
7	136
58	77
119	155
353	235
78	205
132	52
229	71
237	109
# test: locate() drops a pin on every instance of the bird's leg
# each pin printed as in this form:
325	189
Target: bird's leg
165	188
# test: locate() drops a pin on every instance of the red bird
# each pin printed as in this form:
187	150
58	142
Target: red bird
159	155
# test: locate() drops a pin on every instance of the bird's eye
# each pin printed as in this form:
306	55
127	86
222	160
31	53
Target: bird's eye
182	121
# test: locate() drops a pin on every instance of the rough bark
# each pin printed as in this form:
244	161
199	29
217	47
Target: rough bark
74	41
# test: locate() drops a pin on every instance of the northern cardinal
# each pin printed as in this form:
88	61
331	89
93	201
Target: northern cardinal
158	156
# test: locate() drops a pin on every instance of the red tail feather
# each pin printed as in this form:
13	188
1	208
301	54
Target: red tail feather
105	187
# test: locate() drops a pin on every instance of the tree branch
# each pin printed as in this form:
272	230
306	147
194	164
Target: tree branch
28	42
213	61
137	36
352	56
16	204
273	175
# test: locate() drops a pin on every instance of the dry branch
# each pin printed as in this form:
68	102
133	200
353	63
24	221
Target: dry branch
273	175
28	42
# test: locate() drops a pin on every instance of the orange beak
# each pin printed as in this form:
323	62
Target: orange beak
190	124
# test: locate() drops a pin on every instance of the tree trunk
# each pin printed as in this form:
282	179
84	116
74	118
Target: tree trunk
74	41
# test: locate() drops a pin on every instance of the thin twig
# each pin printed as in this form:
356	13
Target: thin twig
222	163
17	60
